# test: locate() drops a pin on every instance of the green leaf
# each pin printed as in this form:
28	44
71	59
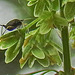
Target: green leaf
71	0
32	39
60	21
39	8
26	50
47	22
38	53
9	55
30	3
57	59
25	54
44	62
55	41
13	51
48	5
53	54
31	61
31	0
72	24
50	50
40	41
23	62
9	39
69	11
64	2
46	14
19	44
39	23
72	33
55	5
46	26
60	73
33	32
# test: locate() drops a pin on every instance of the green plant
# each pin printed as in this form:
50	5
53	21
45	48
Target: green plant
41	44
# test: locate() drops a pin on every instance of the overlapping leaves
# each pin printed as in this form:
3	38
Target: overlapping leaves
6	42
38	44
13	43
42	44
69	11
41	5
66	1
39	48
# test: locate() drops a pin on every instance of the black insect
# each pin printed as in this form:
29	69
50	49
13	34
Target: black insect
13	24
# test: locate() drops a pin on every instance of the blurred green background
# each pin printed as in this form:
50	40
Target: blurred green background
11	9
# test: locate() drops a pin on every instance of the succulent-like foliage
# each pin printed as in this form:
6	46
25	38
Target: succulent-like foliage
43	44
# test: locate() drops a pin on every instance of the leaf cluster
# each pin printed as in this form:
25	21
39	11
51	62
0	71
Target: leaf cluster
41	44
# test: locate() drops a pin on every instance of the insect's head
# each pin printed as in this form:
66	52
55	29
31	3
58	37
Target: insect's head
3	26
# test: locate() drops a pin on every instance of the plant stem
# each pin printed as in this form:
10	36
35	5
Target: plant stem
66	52
31	24
65	42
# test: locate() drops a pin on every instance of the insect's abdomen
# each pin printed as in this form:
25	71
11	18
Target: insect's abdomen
11	25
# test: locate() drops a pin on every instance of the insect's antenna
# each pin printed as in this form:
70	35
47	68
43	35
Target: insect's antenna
2	25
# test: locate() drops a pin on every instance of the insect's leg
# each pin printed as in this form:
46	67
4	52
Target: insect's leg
1	30
4	31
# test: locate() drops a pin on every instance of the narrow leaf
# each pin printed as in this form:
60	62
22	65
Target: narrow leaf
50	50
23	62
55	5
31	61
39	8
56	42
30	3
9	55
46	25
53	54
33	32
60	21
25	54
64	2
41	41
69	11
44	62
13	51
38	53
71	1
26	50
31	0
9	39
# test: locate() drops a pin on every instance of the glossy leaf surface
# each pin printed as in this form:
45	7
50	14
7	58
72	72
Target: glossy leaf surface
13	51
38	53
44	62
6	42
39	8
69	11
